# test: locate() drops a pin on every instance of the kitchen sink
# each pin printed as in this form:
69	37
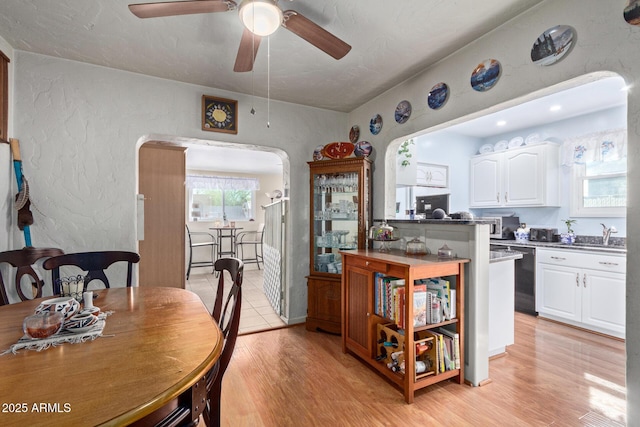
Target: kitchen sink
600	246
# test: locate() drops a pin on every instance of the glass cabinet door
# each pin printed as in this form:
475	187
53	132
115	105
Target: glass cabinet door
337	214
335	218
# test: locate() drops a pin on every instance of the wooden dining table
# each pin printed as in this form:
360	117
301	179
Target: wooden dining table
156	347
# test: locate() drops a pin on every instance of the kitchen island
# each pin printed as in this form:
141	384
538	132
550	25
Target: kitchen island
467	239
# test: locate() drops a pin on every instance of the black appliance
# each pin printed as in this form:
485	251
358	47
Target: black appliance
503	227
543	234
525	278
425	205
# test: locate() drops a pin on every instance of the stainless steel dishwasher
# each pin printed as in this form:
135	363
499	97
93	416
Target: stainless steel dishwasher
525	277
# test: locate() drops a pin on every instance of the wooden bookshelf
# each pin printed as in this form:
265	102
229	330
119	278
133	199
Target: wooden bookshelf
360	323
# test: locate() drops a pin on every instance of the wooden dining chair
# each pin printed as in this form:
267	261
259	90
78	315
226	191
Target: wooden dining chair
24	260
209	243
228	318
93	263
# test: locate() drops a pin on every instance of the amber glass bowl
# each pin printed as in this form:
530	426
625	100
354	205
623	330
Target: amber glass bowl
43	325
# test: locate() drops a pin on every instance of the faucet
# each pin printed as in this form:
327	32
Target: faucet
606	233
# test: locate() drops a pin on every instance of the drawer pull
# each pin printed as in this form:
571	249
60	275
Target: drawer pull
578	279
584	280
366	263
608	263
559	258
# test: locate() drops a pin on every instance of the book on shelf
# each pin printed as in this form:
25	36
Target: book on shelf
420	305
455	344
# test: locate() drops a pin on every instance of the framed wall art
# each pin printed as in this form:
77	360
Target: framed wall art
219	114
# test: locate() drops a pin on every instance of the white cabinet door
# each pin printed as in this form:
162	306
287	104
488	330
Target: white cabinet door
524	177
558	291
603	300
485	181
430	175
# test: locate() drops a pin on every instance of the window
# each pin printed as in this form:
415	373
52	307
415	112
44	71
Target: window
599	184
214	198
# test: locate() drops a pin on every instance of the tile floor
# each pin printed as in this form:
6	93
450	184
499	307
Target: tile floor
256	313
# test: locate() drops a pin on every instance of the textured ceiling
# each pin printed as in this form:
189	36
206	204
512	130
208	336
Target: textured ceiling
391	40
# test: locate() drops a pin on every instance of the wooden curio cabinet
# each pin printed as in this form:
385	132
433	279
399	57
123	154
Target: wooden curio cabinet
340	215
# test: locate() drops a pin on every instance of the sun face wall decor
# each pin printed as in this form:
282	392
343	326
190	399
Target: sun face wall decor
219	114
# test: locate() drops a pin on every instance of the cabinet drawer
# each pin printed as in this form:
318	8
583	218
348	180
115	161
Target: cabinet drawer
580	259
371	265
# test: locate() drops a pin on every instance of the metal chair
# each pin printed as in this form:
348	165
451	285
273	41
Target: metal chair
24	260
228	318
94	263
212	243
251	238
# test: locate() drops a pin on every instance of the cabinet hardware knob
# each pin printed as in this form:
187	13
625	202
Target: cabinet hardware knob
366	263
498	197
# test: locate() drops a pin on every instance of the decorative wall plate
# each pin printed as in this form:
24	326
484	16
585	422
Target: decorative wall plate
403	111
354	133
552	45
363	149
375	125
632	12
486	148
438	96
485	75
338	150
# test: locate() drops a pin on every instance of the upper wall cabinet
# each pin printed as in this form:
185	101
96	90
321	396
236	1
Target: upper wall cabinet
527	176
429	175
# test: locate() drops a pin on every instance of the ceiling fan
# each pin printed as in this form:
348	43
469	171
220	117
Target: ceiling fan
259	17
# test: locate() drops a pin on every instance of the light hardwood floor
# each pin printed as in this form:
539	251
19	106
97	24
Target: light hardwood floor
552	376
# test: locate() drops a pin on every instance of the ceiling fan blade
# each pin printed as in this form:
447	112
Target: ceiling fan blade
247	51
156	10
314	34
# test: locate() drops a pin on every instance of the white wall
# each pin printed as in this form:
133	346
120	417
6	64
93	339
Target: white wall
6	173
80	127
605	43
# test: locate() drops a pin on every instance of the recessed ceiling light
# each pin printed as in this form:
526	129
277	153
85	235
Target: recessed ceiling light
555	108
501	122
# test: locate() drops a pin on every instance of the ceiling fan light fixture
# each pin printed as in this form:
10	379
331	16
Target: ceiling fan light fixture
261	17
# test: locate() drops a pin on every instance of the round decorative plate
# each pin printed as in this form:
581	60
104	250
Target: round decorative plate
485	75
552	45
486	148
516	142
338	150
363	149
501	145
438	96
317	153
375	125
354	133
534	138
403	111
632	12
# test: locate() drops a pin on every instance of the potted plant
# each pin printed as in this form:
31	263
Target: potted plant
569	237
406	151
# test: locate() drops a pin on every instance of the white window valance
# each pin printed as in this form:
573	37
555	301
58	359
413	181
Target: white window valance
599	146
222	183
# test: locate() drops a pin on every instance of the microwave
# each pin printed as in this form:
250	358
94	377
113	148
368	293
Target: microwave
503	227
